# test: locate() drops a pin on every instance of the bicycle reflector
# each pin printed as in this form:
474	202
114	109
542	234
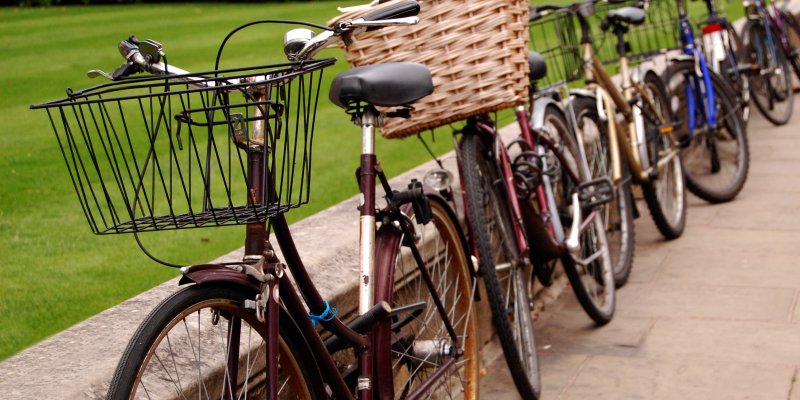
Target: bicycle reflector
711	28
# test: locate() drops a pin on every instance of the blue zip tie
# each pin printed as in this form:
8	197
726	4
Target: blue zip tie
323	316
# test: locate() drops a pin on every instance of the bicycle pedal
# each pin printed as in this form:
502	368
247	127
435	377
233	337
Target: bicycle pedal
747	68
596	192
669	127
362	324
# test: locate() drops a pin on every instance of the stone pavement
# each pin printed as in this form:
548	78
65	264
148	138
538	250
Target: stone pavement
711	315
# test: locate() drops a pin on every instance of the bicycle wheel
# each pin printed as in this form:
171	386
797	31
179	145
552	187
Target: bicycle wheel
792	30
589	271
618	215
770	85
665	193
508	283
415	349
715	159
183	349
737	80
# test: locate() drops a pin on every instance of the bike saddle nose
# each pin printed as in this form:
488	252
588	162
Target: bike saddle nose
388	85
537	65
630	15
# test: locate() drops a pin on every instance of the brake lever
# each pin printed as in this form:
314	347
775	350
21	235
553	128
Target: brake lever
96	72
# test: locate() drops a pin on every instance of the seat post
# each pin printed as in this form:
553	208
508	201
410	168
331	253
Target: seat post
369	120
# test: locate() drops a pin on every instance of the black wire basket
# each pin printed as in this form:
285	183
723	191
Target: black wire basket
658	34
557	37
178	152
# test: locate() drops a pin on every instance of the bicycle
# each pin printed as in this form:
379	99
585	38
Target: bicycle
789	28
553	66
712	139
242	330
529	204
645	142
724	53
767	50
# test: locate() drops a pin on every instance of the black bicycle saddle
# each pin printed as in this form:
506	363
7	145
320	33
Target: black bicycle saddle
537	65
630	15
388	85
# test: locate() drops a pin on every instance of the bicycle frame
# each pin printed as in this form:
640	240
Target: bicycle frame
630	138
717	51
756	10
695	96
553	240
282	298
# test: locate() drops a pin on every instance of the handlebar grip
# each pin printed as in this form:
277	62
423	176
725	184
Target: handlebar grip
126	46
536	12
406	8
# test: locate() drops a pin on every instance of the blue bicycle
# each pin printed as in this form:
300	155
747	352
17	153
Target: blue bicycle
725	54
711	134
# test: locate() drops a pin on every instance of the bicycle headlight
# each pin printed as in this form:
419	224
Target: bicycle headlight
439	179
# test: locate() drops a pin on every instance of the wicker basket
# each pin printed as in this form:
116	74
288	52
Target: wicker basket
476	51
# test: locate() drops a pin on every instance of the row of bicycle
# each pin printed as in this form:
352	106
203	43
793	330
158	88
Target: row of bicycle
678	118
659	126
233	147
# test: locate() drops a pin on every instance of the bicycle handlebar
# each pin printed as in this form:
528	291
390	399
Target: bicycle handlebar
541	11
299	44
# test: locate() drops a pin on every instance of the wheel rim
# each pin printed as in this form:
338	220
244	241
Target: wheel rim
772	93
669	185
617	232
597	276
415	361
182	360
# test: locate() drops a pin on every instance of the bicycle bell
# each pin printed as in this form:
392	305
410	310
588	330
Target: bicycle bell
295	39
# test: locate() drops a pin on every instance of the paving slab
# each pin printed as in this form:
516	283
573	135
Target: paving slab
724	340
722	267
631	378
750	303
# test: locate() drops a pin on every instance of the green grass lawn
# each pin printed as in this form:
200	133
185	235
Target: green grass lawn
53	271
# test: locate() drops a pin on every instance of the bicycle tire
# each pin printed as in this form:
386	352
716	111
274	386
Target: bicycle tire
153	364
618	215
771	91
715	163
443	250
666	195
792	28
509	289
593	281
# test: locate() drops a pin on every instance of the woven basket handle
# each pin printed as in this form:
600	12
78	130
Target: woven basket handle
402	9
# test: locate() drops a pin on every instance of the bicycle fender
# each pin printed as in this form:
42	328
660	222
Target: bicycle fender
583	93
539	105
434	195
213	273
681	57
